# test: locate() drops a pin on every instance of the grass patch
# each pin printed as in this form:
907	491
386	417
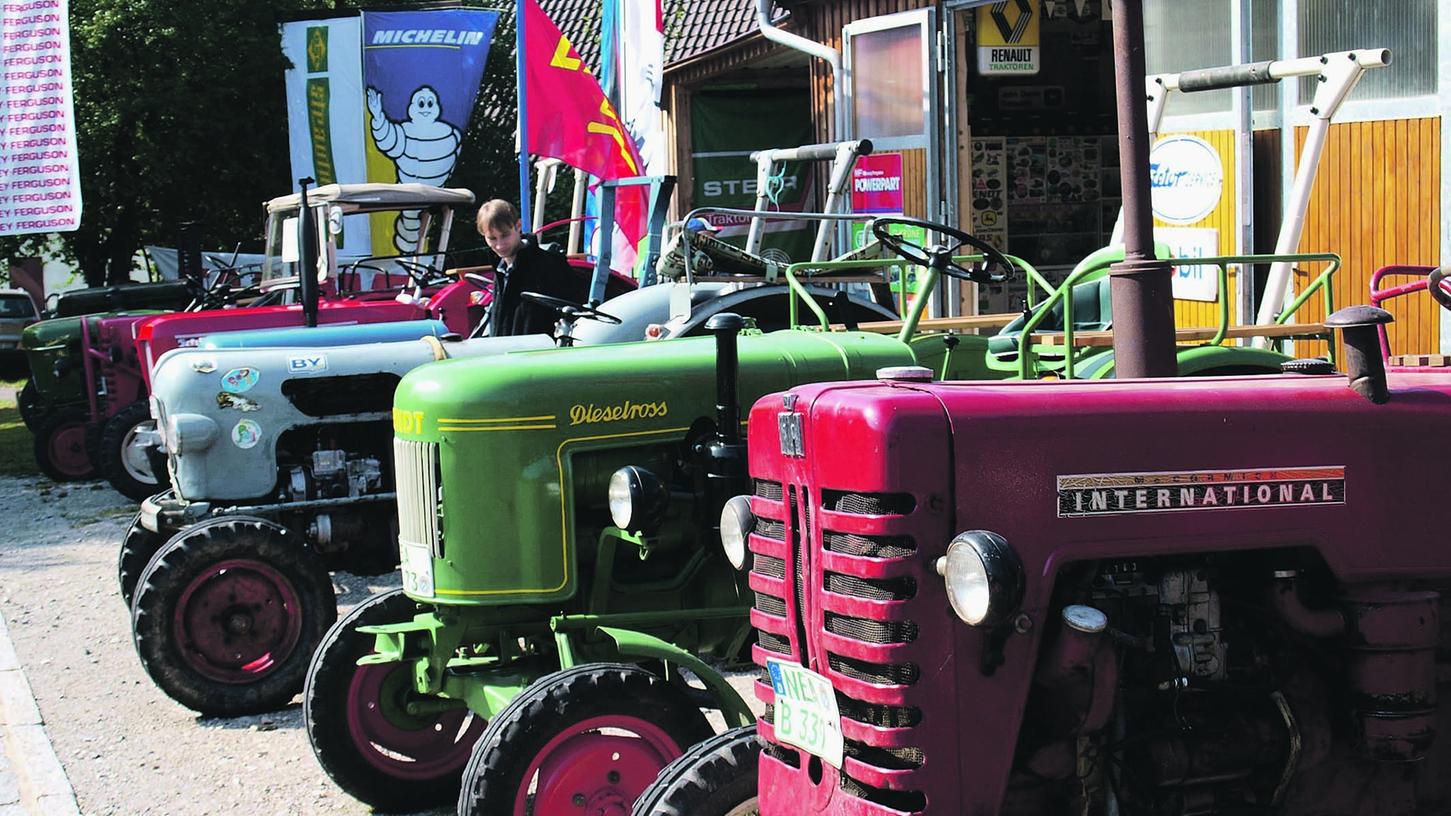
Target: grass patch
17	447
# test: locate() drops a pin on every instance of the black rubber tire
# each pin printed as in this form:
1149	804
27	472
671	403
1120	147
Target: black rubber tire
31	405
718	777
324	710
110	453
137	549
558	701
61	420
190	553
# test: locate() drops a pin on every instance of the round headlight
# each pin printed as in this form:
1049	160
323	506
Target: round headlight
984	577
638	500
736	522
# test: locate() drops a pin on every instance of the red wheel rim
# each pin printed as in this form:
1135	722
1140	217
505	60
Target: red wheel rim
414	747
67	449
598	767
237	621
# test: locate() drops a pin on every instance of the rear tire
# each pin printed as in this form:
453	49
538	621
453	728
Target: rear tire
715	778
548	745
60	446
228	613
124	465
384	758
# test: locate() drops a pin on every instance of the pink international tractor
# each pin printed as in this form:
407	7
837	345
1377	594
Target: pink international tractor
1124	597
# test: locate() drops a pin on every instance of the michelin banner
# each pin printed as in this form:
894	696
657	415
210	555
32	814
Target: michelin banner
383	97
422	71
40	188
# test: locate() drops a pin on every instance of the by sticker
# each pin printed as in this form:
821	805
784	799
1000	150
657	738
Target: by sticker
308	364
240	380
246	434
205	365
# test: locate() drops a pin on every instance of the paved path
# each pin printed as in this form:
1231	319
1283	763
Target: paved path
32	781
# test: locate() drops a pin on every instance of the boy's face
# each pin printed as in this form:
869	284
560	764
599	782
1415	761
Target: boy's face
504	242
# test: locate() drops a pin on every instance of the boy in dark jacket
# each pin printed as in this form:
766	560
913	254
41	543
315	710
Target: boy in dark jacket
524	267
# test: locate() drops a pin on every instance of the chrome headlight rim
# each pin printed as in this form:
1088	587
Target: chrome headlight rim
983	577
637	499
737	522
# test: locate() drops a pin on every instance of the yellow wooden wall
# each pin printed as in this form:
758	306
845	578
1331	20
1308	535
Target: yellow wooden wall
1199	313
1376	202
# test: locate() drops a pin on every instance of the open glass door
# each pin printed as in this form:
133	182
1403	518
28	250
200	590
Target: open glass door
891	96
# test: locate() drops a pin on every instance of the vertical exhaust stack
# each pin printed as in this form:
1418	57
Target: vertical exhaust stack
1140	286
307	273
1363	363
725	454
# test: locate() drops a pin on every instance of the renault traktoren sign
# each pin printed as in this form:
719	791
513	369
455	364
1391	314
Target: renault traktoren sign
1007	38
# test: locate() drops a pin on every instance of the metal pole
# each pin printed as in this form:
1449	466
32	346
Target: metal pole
524	213
1143	305
307	272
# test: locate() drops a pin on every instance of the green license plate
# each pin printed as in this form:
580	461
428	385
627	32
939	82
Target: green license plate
806	712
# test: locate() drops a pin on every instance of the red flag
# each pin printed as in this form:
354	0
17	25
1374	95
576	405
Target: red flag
571	120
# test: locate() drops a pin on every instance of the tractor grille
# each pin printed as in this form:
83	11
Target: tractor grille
855	557
416	468
865	567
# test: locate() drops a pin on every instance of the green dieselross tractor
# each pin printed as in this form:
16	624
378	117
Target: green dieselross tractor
557	527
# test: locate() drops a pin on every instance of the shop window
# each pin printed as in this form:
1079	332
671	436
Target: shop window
1407	27
887	82
1180	36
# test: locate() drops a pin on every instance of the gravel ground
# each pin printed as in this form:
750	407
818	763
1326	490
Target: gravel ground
127	747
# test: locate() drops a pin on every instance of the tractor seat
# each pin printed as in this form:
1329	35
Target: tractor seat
1091	312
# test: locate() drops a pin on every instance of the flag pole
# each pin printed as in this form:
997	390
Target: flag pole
524	209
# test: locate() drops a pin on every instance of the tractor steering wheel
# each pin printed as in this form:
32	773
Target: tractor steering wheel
1433	285
570	311
939	257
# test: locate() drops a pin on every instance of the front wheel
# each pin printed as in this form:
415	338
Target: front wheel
123	460
715	778
227	614
583	740
137	548
60	446
31	405
360	729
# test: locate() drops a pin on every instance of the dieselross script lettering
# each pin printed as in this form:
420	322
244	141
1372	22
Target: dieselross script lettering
1120	493
627	410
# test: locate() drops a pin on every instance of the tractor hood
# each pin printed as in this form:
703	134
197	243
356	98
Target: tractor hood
223	411
526	444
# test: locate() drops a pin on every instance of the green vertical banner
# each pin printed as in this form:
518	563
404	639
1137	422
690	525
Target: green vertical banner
318	106
725	128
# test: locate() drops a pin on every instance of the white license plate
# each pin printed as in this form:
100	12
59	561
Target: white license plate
806	712
417	565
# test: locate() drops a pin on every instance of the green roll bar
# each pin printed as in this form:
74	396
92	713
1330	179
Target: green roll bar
1028	357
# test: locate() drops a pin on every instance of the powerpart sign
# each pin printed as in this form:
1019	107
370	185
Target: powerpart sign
1111	494
40	187
1007	38
876	184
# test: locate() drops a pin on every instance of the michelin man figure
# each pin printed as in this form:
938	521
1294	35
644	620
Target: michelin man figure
424	149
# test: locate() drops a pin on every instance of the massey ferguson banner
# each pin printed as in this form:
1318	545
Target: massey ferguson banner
40	188
383	97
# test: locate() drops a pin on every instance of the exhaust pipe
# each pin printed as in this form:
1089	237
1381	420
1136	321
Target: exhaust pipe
307	274
1363	363
725	453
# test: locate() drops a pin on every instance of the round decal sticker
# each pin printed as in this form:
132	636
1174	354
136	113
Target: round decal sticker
239	380
1187	179
246	434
